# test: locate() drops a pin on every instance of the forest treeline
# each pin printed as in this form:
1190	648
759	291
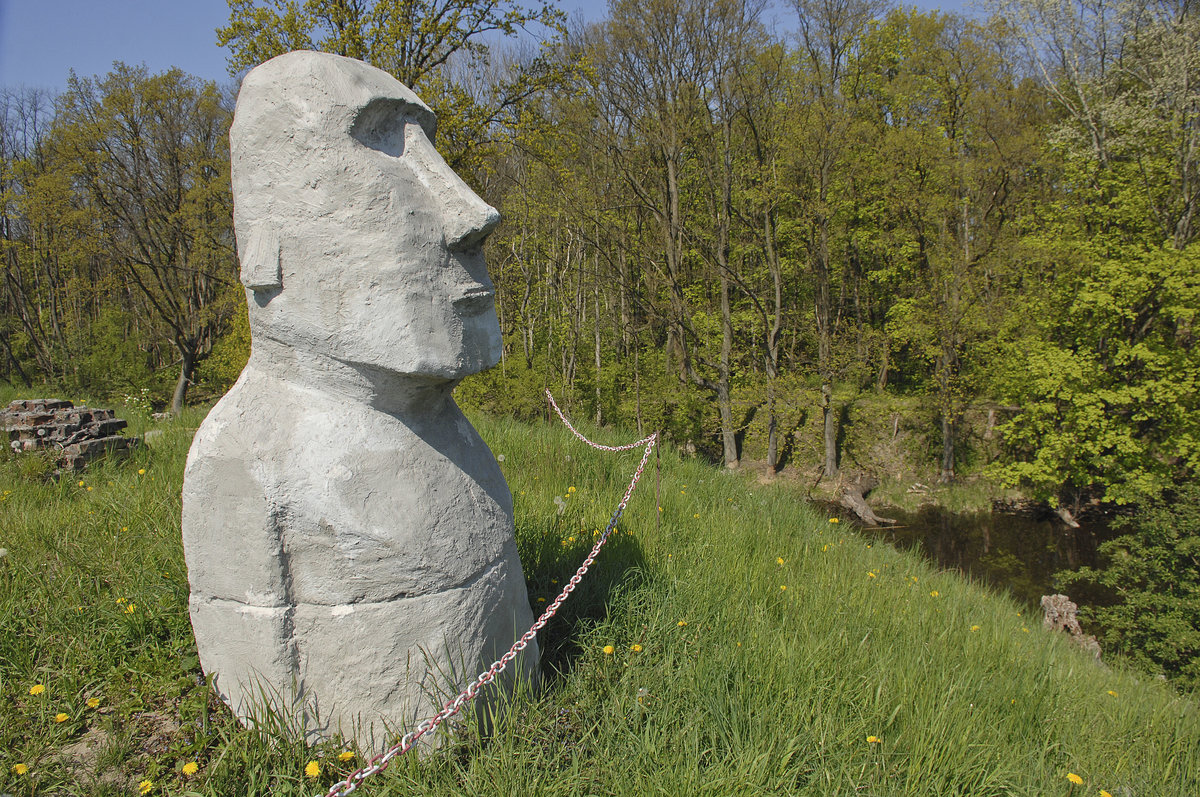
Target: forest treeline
722	219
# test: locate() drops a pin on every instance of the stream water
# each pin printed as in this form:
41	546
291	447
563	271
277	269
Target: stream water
1016	551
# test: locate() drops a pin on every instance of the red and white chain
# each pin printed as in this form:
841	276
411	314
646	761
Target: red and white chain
409	740
642	442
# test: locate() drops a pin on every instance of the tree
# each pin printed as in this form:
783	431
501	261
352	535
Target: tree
152	156
1105	370
418	41
830	33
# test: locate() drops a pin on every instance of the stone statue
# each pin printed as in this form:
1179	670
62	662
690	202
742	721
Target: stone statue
349	536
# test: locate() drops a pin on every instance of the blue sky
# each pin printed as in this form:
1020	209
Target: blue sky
42	40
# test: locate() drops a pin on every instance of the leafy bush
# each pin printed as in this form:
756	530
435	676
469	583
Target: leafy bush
1151	579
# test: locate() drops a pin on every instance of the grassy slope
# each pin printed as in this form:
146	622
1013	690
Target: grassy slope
740	686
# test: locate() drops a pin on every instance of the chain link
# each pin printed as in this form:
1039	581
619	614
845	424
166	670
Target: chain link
452	707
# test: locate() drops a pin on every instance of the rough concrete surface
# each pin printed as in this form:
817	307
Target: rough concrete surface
349	536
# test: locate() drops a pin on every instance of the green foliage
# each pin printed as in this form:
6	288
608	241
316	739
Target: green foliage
1147	591
1107	382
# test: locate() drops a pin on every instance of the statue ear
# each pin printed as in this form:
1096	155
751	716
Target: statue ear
261	269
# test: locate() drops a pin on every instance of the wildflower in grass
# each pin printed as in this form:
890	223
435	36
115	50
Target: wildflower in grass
974	628
834	520
697	515
312	769
19	769
89	489
1071	776
571	490
346	755
60	717
1104	793
1111	692
783	587
146	786
873	740
120	601
1026	630
37	689
93	702
682	623
636	648
609	650
541	600
934	593
779	561
130	608
190	768
141	471
870	574
81	482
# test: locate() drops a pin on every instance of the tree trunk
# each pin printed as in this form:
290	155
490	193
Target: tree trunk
186	369
947	450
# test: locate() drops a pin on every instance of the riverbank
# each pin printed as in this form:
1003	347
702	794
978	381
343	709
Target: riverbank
735	641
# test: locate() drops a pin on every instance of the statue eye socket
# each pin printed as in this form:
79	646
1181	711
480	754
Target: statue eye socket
382	125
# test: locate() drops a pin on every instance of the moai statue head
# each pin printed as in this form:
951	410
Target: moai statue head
357	240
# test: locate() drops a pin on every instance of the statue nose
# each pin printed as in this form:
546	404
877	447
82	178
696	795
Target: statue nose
468	220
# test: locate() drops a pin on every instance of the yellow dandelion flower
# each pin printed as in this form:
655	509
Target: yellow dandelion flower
1071	776
870	574
19	769
312	769
130	608
37	689
609	650
141	471
1111	692
93	702
60	717
974	628
190	768
346	755
835	520
697	515
146	786
682	623
783	587
1026	630
120	601
81	482
541	600
1104	793
779	560
636	648
873	740
934	593
89	489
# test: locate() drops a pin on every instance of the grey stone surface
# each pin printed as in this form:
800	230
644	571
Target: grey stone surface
349	536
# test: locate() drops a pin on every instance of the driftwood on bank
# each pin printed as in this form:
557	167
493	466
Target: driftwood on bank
1061	615
853	496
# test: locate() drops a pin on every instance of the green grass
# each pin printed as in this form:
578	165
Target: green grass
740	686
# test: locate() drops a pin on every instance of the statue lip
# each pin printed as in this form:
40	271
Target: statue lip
475	301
